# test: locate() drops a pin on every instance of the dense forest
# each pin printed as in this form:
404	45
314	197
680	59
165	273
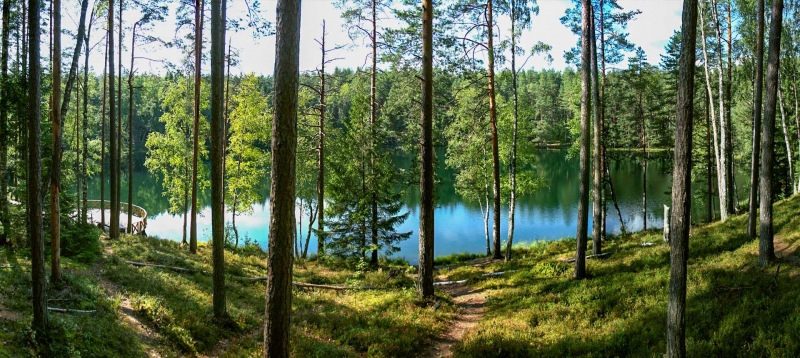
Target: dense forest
443	78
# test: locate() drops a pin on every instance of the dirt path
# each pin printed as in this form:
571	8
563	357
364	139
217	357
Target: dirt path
786	251
471	305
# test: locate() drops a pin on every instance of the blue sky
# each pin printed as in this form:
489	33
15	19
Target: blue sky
651	30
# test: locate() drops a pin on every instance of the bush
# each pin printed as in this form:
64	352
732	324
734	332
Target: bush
81	242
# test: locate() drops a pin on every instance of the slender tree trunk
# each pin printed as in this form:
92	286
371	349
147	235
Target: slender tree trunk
611	191
112	124
34	178
709	168
130	131
84	164
512	168
603	157
682	186
103	144
724	124
426	180
495	147
644	164
218	21
732	195
766	248
55	178
198	56
788	142
185	215
759	79
5	218
597	168
718	155
321	155
118	161
586	88
282	190
312	217
372	122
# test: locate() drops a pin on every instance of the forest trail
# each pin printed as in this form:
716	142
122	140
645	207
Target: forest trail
147	336
785	251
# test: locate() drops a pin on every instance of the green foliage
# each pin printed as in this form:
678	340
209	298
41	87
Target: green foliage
81	242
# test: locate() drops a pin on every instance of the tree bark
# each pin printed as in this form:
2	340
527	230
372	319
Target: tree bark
766	248
34	179
373	120
512	168
788	142
759	79
709	167
5	218
426	187
84	164
597	168
103	144
198	56
282	185
586	88
724	124
682	186
55	177
218	23
130	131
321	154
718	155
495	147
112	124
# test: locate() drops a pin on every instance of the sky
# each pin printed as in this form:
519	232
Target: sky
651	30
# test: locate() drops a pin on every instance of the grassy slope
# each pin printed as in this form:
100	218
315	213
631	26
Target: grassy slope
735	308
177	308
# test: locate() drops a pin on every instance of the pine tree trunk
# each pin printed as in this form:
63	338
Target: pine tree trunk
112	124
512	170
586	88
718	157
766	248
682	186
282	190
373	120
198	55
709	167
5	218
55	177
103	144
759	79
788	142
321	155
493	125
34	177
118	159
426	186
732	195
84	164
724	124
130	131
597	168
218	23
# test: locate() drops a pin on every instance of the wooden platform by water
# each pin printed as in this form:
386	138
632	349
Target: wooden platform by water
138	219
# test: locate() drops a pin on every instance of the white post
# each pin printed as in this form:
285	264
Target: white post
666	223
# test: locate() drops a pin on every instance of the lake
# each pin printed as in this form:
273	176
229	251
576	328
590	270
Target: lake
548	214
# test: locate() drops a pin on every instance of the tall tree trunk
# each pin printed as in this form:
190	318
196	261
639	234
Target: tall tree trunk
732	195
5	218
84	164
34	179
112	124
788	142
118	159
724	124
759	79
682	186
373	120
55	177
426	180
597	168
644	164
493	122
198	56
709	168
321	154
130	131
218	23
766	248
282	189
312	217
512	168
586	88
603	158
718	155
103	144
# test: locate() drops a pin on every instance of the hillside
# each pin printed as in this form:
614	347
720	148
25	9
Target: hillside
533	309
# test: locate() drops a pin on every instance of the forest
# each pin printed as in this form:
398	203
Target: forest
445	197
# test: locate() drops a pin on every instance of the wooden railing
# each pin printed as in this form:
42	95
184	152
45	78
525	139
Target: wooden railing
137	227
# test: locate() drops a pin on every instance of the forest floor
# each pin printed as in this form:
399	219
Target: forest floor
535	308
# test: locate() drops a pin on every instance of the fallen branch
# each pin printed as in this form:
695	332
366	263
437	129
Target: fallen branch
67	310
498	273
593	256
445	283
172	268
6	267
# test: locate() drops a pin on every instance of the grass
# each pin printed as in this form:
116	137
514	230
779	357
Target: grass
735	308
